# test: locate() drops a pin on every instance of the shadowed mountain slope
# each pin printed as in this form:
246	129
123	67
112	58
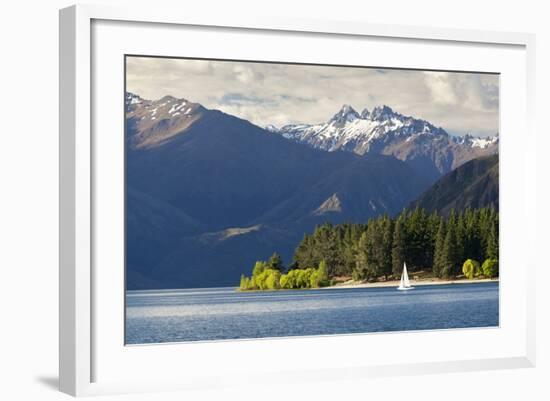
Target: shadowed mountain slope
472	185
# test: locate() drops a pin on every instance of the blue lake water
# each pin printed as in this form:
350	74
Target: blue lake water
157	316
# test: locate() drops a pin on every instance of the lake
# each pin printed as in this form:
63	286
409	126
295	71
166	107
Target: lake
157	316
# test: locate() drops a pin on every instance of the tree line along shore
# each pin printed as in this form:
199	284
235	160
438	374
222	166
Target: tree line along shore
460	244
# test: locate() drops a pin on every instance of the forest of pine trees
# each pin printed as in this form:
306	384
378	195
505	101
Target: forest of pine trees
377	249
424	241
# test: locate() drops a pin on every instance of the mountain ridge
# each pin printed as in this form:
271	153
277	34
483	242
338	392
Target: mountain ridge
383	131
474	184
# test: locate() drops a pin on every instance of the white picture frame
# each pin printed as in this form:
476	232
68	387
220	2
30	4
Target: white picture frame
82	327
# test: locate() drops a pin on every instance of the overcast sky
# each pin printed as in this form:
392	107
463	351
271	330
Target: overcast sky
281	94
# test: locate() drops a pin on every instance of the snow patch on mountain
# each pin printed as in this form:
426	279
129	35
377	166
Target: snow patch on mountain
158	120
477	142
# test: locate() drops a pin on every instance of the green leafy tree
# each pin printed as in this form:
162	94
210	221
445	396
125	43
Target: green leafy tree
322	273
490	268
284	282
260	280
245	283
272	281
314	280
292	278
259	268
471	268
303	277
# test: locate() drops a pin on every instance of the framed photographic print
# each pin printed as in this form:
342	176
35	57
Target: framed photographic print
253	191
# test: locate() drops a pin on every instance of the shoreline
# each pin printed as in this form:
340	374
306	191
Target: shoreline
414	283
382	284
348	284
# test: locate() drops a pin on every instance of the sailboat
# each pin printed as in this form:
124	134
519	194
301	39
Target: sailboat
404	284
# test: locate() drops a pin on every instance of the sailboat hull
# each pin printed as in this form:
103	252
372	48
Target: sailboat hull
404	288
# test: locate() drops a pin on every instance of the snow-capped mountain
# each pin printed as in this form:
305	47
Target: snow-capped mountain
477	142
384	131
155	121
430	150
349	130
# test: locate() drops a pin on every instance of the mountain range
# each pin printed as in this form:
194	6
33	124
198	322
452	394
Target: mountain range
428	149
208	193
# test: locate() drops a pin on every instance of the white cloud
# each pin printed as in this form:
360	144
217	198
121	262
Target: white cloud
246	74
473	91
280	93
441	87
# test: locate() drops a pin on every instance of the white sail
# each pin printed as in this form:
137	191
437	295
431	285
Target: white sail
405	283
406	276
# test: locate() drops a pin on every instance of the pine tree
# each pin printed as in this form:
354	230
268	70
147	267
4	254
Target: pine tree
434	221
460	244
469	234
387	240
438	262
417	239
355	232
398	247
492	242
326	247
275	262
381	246
449	265
375	249
304	255
360	272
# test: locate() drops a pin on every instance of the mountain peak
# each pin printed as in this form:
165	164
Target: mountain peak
132	98
168	98
271	128
332	204
365	114
382	113
345	114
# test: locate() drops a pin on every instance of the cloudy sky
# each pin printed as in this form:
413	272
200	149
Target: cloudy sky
281	94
